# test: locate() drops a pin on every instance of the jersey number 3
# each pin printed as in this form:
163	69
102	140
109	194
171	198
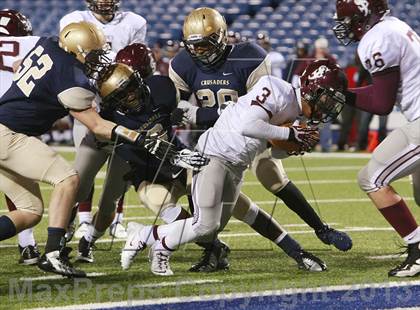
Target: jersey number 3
29	71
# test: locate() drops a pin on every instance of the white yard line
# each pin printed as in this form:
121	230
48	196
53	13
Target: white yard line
179	283
383	257
58	277
230	296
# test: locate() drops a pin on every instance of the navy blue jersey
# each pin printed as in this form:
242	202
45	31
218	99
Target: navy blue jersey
145	166
245	63
42	89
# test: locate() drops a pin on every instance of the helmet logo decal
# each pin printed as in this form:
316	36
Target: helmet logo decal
363	6
318	73
4	21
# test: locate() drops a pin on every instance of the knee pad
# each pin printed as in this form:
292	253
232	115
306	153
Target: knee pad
29	203
271	174
204	229
158	197
366	181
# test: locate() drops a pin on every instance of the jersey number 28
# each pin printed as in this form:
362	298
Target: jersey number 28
29	71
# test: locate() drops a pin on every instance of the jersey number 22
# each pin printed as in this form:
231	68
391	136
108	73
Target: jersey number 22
29	71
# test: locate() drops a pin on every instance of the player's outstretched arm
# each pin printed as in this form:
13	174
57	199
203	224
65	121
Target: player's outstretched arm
379	97
105	129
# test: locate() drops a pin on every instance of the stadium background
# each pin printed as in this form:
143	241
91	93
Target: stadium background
286	21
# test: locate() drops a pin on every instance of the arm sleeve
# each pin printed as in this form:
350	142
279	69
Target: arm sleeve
256	125
380	97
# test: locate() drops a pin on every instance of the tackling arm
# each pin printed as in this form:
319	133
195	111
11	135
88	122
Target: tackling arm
378	98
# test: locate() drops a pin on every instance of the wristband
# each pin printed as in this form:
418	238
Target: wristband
125	133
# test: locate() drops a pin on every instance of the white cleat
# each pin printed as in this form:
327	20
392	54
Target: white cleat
82	230
133	245
118	231
159	260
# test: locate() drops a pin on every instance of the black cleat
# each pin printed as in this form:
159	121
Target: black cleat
310	262
29	255
85	253
58	262
214	258
411	266
337	238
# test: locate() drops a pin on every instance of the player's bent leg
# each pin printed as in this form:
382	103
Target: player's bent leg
88	162
397	156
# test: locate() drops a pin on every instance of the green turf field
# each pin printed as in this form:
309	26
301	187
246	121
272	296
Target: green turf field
256	264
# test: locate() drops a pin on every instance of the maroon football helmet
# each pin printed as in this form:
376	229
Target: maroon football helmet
103	7
323	86
355	17
139	57
13	23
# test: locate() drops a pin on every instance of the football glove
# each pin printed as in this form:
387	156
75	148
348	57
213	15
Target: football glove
189	160
305	137
190	112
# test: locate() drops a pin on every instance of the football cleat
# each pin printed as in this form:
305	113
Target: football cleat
159	260
411	266
29	255
82	229
214	258
118	231
58	262
85	253
133	245
310	262
337	238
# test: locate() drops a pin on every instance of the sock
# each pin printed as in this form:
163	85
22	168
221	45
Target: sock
118	218
209	245
251	214
85	217
119	214
173	213
288	245
149	234
266	226
7	228
177	233
86	206
55	240
414	237
10	205
295	201
400	217
26	238
92	234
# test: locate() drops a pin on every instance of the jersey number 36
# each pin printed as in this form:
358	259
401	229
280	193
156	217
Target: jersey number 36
32	68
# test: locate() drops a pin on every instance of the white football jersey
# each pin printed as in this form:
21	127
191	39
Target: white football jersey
11	50
124	29
278	63
224	140
392	43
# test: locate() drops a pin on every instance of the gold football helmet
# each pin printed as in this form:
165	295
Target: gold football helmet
87	43
121	88
205	35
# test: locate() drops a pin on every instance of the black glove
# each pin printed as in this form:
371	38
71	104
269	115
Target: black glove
306	137
177	117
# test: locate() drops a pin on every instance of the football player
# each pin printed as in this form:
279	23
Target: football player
390	50
215	73
51	82
251	122
16	41
120	29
